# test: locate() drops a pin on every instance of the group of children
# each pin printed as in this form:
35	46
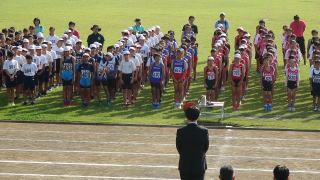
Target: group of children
32	64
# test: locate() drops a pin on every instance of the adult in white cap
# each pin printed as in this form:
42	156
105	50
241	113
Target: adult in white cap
222	21
52	37
194	27
236	72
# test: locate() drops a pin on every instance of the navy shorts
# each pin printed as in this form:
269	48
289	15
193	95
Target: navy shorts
29	83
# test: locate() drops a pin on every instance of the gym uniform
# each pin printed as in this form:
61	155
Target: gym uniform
21	61
112	67
236	74
315	77
29	72
59	53
210	78
42	61
67	71
127	68
46	74
156	75
11	66
292	76
178	69
85	70
102	65
53	54
268	78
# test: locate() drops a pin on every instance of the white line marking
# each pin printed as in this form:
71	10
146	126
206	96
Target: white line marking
155	144
156	154
155	135
140	166
78	176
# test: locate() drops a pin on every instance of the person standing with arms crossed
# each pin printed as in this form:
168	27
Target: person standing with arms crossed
192	143
298	27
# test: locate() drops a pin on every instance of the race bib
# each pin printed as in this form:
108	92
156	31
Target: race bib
268	78
236	72
292	77
156	75
177	70
211	76
110	67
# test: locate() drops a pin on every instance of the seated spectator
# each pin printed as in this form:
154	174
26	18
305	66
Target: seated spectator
281	173
226	173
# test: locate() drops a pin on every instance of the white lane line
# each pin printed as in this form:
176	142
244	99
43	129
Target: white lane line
79	176
155	135
156	154
141	166
156	144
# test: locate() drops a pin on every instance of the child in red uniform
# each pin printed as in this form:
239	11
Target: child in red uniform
267	81
292	81
211	83
236	73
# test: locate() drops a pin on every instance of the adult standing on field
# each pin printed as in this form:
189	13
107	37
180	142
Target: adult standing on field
222	21
192	143
191	23
95	36
138	27
298	27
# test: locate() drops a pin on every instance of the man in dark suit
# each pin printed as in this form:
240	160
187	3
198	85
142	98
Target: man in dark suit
192	143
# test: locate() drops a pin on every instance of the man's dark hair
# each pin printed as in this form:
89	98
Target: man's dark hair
192	113
110	47
191	17
28	56
281	172
137	20
10	54
296	17
226	172
72	23
262	21
4	30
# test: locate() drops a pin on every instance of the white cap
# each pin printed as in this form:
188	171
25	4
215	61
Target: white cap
223	35
24	49
240	28
67	48
223	39
220	25
38	48
125	31
68	31
79	41
49	42
217	44
109	54
93	46
223	13
44	46
126	52
210	58
157	27
132	48
247	35
64	36
14	47
142	37
19	48
120	43
138	46
243	46
86	54
244	40
60	39
116	45
26	40
237	56
39	35
220	42
97	44
218	29
87	49
31	47
130	28
68	42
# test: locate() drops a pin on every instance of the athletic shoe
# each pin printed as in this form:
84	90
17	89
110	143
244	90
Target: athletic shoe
265	107
25	103
289	108
153	105
270	107
237	107
243	98
179	106
4	85
315	109
13	104
187	93
158	105
293	109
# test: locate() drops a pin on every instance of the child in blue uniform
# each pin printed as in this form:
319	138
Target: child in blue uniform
156	72
101	77
67	75
85	72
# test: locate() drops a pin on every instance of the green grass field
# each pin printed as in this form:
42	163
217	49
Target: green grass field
114	16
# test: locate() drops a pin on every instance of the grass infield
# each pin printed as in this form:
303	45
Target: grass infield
114	16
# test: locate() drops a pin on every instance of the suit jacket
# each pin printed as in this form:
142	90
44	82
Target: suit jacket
192	143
